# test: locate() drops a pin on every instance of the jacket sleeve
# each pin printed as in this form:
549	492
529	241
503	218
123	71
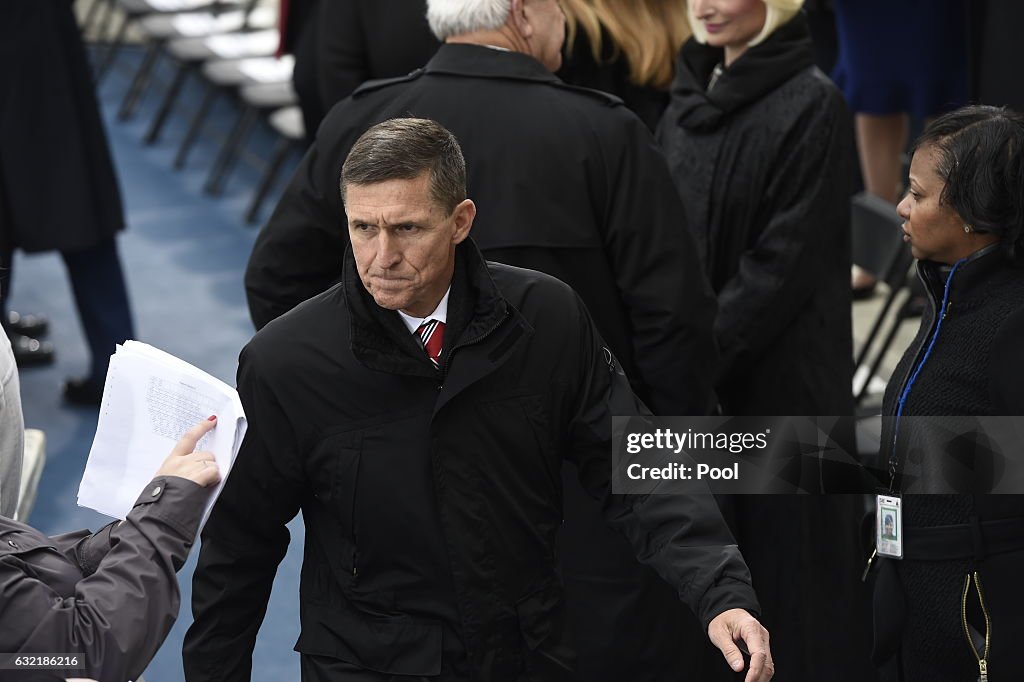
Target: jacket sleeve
342	46
244	540
808	200
659	275
121	613
298	254
682	537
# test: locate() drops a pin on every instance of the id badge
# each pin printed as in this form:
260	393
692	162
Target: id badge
889	526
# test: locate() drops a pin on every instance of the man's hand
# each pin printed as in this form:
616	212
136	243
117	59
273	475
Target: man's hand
735	625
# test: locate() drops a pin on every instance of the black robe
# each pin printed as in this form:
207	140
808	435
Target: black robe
763	164
58	189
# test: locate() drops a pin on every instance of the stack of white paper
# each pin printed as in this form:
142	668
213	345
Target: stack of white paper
150	399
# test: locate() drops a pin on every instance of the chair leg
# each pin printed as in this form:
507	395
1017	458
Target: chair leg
170	97
195	125
229	153
876	327
90	15
112	50
281	150
901	315
139	82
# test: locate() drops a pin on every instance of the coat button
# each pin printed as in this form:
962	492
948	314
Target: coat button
156	491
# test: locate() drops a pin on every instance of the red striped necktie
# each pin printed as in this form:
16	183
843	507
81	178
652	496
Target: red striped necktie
431	335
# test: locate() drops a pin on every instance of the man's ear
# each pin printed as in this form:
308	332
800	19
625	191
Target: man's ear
463	217
518	19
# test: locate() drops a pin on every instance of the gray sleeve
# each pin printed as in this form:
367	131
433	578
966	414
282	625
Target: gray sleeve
12	430
120	614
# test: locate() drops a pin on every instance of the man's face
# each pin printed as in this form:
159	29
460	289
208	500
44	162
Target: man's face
547	23
404	242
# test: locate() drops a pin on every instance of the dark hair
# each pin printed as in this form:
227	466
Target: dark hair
402	149
981	159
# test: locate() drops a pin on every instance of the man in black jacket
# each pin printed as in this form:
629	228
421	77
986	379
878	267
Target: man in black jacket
570	183
418	413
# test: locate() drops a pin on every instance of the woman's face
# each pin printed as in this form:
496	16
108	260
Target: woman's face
935	232
730	23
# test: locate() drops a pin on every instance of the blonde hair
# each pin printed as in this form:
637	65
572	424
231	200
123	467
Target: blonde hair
647	32
779	12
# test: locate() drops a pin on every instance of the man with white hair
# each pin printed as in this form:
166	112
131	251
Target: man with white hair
568	182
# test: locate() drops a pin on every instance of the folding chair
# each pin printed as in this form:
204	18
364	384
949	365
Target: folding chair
192	52
133	10
878	247
257	98
224	74
289	125
160	28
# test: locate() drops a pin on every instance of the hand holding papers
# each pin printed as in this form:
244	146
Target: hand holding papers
150	400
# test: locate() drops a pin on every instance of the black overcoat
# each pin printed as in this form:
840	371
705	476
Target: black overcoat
361	40
763	164
58	189
567	181
352	424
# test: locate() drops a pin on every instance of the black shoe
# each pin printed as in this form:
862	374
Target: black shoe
31	325
29	352
83	392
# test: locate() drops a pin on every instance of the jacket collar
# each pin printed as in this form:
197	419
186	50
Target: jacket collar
462	59
970	274
379	339
757	72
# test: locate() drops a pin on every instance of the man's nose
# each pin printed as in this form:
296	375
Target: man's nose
388	252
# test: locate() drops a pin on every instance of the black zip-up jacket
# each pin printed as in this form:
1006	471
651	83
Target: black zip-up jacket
412	481
968	366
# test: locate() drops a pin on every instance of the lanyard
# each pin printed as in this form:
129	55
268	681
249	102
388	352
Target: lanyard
893	456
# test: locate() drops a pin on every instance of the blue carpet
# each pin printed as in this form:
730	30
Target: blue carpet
184	254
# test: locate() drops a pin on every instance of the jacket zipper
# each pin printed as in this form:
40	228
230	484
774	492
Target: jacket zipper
451	354
915	367
982	657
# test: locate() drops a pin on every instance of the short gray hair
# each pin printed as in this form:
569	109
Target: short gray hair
403	149
449	18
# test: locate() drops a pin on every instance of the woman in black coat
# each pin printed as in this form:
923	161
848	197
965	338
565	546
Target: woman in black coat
760	146
58	190
952	608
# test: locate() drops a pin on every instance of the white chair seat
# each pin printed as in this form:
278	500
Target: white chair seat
31	472
288	123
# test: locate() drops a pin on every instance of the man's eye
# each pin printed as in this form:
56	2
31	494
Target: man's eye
407	228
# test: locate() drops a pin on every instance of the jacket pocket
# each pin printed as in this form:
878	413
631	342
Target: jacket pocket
547	651
397	645
333	472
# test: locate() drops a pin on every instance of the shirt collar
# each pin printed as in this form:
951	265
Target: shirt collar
440	314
